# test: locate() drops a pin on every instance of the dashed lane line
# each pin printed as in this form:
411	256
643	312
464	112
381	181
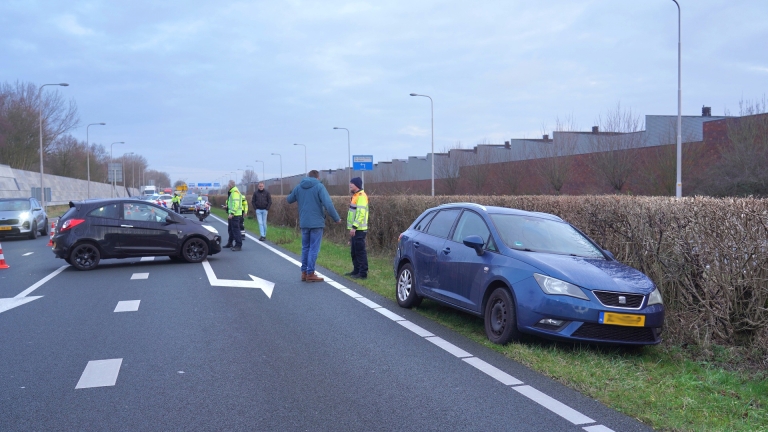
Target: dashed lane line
28	254
147	258
100	373
127	306
531	393
137	276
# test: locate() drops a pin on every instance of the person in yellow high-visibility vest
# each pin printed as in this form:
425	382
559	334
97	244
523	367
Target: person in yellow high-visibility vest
357	224
235	216
175	201
245	214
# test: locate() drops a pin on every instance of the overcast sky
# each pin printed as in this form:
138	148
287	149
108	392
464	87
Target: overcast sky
202	88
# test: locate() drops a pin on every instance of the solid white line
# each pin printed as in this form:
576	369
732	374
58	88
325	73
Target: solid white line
451	348
493	371
335	284
368	303
147	259
350	293
598	428
389	314
553	405
137	276
416	329
127	306
28	254
40	283
298	263
100	373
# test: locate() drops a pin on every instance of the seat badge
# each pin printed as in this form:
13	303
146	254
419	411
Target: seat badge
622	300
485	269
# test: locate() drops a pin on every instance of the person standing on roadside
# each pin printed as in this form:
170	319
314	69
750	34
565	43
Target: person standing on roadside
357	224
313	201
234	216
175	202
262	201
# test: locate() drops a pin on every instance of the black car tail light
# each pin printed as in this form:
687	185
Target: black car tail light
71	224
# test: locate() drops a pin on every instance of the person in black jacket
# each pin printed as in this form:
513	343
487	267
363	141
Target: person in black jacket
262	201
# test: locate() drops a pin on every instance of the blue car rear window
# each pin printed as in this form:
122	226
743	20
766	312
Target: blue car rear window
542	235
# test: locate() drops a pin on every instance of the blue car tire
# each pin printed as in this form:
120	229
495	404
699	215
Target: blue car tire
406	288
500	317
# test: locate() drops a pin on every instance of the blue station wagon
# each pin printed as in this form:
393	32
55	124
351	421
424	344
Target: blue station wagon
525	272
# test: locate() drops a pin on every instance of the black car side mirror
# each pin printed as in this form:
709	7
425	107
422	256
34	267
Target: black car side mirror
610	255
475	242
170	220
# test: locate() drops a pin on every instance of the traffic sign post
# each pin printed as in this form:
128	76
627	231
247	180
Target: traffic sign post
362	163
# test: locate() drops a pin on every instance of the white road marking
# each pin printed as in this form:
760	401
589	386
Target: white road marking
598	428
493	371
40	283
100	373
553	405
28	254
350	293
127	306
137	276
147	259
389	314
298	263
451	348
416	329
257	283
368	303
335	284
10	303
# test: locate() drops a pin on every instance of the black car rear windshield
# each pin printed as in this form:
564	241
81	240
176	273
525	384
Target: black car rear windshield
542	235
189	199
14	205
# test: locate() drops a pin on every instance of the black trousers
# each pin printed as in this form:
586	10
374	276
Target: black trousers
359	254
233	229
175	207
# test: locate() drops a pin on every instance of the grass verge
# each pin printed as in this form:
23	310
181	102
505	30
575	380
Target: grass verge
663	386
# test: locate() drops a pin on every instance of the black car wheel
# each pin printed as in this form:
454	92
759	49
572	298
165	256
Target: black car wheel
406	288
195	250
84	256
500	317
33	234
44	231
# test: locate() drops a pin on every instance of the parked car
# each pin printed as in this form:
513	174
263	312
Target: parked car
525	272
22	216
165	198
187	204
121	228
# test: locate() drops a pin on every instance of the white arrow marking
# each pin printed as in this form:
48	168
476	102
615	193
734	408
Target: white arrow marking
258	283
10	303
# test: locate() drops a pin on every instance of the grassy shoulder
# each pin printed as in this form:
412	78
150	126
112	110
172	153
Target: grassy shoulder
663	386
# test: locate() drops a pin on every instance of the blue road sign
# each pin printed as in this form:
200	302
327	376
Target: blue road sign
362	162
202	185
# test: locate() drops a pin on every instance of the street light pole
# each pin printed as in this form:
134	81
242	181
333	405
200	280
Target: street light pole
112	161
349	156
88	157
262	168
40	102
281	171
306	171
679	185
432	111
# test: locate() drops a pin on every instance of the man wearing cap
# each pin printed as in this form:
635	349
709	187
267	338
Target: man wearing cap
357	224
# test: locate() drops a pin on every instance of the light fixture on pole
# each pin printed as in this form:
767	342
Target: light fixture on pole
306	171
679	183
88	157
281	171
349	156
112	161
432	110
40	102
262	168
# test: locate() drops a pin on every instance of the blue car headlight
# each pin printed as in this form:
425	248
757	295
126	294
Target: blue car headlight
554	286
655	298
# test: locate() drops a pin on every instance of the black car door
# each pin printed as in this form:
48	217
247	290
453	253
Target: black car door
104	228
146	231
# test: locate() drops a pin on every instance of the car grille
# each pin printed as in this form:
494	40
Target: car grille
9	222
611	299
615	333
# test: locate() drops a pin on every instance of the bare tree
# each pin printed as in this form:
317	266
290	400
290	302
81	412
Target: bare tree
554	160
67	157
620	131
250	178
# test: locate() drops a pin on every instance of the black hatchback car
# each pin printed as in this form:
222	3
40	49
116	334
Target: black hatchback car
122	228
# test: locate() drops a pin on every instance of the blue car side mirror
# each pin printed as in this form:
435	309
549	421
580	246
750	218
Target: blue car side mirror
610	255
475	242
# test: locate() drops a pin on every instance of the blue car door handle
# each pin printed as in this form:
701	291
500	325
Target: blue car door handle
416	244
447	250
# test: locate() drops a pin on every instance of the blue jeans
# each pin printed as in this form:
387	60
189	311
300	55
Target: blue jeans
310	248
261	216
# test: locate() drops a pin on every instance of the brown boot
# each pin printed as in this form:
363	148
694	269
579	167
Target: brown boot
313	277
303	276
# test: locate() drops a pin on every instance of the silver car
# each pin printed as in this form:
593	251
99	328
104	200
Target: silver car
22	216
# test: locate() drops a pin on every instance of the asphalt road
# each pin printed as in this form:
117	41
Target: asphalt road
293	356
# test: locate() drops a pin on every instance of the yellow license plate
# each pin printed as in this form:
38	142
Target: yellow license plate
626	320
5	228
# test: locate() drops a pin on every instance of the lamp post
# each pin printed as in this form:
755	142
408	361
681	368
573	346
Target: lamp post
112	161
679	185
262	169
40	102
306	171
88	157
349	156
281	171
432	111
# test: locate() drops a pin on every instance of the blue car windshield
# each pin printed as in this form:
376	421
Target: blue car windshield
535	234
